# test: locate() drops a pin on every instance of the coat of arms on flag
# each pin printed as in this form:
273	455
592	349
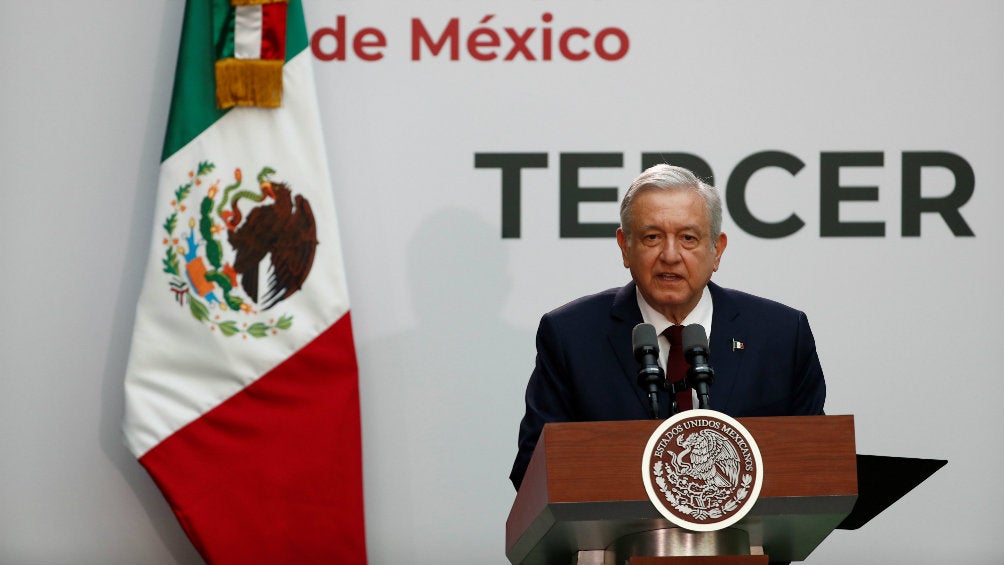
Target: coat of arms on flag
257	448
240	249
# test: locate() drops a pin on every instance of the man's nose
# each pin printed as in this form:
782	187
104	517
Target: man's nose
670	252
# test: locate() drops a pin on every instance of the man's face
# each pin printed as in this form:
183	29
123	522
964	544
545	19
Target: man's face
669	249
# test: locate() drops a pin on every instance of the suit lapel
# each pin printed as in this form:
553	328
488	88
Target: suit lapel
726	358
625	316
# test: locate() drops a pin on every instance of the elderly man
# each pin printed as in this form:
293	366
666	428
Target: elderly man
670	238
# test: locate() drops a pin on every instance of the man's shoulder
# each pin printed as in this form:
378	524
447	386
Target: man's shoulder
748	301
599	304
598	301
588	321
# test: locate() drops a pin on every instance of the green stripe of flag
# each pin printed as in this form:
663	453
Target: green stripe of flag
193	100
224	20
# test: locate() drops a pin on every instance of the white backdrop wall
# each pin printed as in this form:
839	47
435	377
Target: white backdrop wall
908	327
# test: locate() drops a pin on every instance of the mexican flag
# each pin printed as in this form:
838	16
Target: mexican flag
242	396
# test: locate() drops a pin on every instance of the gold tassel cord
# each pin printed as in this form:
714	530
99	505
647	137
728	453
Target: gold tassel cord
248	82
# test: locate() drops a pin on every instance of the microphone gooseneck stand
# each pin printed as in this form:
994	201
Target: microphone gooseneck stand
651	377
700	375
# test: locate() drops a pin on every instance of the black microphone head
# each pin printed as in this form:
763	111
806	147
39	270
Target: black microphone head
694	337
644	340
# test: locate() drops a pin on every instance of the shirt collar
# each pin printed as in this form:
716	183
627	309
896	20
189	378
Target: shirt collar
701	314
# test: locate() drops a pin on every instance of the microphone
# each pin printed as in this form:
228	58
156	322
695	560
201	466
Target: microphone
700	375
645	344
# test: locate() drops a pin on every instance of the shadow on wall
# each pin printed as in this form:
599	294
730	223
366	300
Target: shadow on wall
111	437
445	396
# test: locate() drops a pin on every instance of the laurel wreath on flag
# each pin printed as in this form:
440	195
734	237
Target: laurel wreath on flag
701	514
175	251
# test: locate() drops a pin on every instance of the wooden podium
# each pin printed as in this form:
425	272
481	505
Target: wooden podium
582	500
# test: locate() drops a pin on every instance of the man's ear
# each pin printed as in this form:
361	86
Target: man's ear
623	244
720	244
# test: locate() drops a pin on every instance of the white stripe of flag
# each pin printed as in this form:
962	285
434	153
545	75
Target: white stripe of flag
247	32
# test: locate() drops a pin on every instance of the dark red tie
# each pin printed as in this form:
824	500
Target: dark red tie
676	366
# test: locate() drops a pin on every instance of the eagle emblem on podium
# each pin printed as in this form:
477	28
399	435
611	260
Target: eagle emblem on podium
702	470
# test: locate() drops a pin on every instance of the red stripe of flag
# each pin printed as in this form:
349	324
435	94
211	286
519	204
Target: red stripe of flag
284	455
273	32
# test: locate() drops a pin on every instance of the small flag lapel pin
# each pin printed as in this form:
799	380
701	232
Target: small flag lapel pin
737	345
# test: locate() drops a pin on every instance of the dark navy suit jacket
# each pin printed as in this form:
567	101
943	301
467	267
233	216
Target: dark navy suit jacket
763	354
